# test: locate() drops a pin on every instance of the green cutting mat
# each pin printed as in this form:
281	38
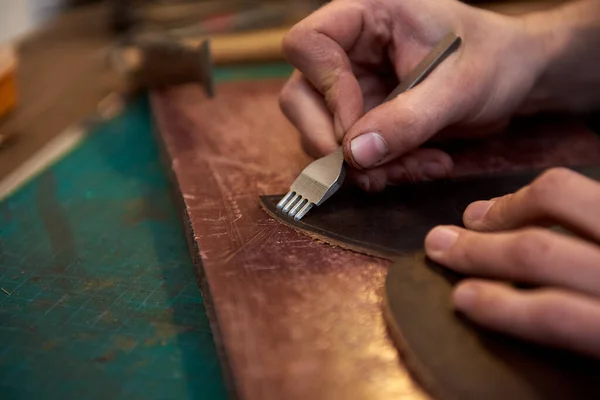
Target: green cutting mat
103	299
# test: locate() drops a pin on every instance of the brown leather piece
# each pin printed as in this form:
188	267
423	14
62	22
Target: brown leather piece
454	359
396	220
292	317
451	357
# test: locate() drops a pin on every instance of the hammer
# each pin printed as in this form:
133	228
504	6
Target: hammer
153	62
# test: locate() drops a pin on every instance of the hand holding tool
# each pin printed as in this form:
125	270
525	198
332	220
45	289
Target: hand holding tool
323	177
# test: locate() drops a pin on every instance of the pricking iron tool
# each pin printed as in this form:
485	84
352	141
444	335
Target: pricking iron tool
323	177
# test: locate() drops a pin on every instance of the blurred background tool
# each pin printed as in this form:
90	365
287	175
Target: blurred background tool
208	16
257	46
151	61
156	62
235	22
127	14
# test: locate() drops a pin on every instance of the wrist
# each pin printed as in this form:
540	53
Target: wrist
565	42
546	42
549	36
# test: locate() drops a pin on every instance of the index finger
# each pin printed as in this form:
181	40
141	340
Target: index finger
558	195
318	46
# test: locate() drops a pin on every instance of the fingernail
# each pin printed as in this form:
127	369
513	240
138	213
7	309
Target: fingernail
439	240
477	211
465	296
368	149
435	170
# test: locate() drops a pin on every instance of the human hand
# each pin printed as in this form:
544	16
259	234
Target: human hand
506	241
349	56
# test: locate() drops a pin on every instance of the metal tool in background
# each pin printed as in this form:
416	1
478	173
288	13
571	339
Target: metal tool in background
153	62
323	177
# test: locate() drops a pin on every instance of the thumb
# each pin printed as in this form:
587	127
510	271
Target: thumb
402	124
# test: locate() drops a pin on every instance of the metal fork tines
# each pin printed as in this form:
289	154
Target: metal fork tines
317	182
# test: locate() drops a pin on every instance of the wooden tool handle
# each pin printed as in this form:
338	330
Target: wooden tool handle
247	47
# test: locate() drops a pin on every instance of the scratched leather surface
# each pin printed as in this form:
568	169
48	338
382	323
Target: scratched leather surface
295	318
